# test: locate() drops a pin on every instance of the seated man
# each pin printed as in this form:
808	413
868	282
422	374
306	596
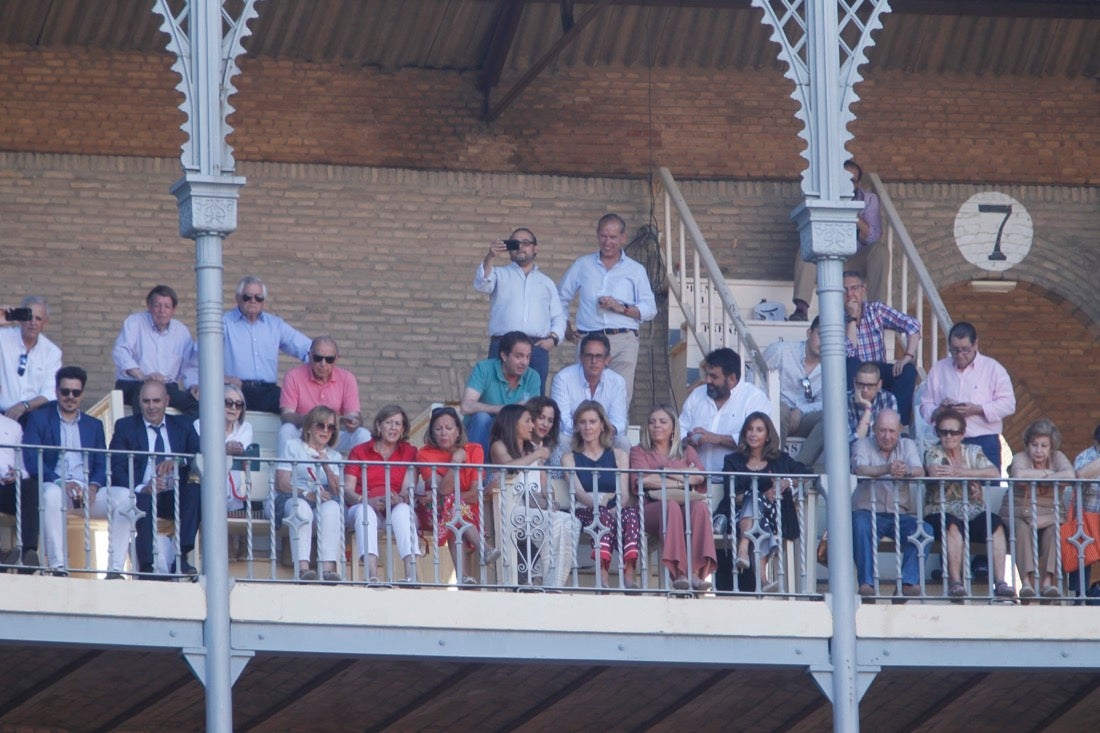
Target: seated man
888	459
867	321
25	550
800	398
866	401
28	360
153	345
591	379
713	413
70	477
494	383
154	432
321	382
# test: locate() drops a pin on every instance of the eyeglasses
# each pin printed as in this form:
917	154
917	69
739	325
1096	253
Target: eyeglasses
866	385
247	298
947	431
593	357
806	391
326	426
526	241
22	364
444	411
318	358
235	404
956	350
66	392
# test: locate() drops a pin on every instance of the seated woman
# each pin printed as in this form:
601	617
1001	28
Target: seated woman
1031	505
1087	465
238	436
546	416
603	491
445	442
661	450
544	539
758	452
316	484
388	491
951	458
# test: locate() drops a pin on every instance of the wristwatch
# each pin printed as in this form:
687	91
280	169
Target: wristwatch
555	338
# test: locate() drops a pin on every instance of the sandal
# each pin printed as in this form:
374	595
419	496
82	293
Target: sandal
956	589
682	583
743	562
1004	590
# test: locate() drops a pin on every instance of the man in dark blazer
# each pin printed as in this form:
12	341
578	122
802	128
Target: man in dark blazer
153	431
71	478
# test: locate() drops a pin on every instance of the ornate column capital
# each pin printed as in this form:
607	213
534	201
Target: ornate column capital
207	204
826	229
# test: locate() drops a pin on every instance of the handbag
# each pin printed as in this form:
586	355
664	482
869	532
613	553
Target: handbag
823	549
1091	526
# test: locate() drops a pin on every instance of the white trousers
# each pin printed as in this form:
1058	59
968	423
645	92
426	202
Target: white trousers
299	516
401	521
345	441
113	503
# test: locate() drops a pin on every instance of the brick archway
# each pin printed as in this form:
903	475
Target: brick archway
1050	349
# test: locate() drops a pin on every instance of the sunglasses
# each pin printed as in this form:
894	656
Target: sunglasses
806	391
22	364
946	431
318	358
235	404
249	298
444	411
66	392
326	426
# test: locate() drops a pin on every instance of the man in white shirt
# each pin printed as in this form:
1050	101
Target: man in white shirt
800	400
152	344
714	411
590	379
613	297
521	298
28	361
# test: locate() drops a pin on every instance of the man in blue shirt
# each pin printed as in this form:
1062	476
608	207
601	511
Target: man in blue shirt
253	340
521	298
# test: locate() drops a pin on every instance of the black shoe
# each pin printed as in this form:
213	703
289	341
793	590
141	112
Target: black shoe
186	568
30	563
115	576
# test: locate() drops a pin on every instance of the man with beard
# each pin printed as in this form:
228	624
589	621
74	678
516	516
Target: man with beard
714	411
521	298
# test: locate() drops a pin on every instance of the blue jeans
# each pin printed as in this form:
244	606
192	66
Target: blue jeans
864	544
478	427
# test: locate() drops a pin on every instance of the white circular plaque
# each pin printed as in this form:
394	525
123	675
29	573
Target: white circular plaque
993	231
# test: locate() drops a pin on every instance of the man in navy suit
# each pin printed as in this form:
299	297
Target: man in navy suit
71	478
154	432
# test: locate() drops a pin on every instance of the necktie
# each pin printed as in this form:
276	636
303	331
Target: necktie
158	446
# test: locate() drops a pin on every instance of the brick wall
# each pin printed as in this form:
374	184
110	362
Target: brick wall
703	124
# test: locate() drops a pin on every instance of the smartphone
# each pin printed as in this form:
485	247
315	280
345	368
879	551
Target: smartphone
512	245
18	314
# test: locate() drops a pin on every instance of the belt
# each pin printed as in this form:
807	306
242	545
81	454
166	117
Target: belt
255	383
610	331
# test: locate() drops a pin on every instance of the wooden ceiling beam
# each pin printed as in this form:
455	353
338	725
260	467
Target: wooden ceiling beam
500	45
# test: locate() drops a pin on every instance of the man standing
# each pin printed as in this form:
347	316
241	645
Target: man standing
28	361
321	382
521	298
800	398
154	432
871	258
888	459
613	297
974	385
867	321
590	379
867	401
714	411
253	340
12	478
494	383
153	345
71	477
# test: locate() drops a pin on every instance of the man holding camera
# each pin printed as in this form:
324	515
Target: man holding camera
28	360
521	298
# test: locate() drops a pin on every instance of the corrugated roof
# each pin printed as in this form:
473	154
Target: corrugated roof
1011	38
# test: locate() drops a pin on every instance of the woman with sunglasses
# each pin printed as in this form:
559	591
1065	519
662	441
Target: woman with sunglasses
948	505
603	491
382	465
544	539
238	436
445	442
307	486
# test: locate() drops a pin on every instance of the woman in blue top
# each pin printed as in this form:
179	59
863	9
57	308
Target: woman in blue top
604	490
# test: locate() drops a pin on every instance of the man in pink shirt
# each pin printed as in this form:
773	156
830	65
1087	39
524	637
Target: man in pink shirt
321	382
973	384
